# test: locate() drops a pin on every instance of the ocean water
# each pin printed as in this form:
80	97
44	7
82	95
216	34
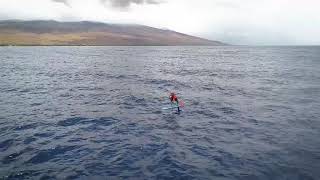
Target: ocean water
251	113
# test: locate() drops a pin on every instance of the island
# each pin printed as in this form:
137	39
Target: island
86	33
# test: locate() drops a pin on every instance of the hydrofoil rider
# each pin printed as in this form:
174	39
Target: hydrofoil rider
174	100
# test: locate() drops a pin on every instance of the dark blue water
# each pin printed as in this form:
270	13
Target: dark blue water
251	113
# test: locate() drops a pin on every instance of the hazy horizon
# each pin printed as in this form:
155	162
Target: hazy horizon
249	22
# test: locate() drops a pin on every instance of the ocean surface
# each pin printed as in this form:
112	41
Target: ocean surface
251	113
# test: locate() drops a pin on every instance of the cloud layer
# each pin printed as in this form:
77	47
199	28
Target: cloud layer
261	22
117	3
65	2
127	3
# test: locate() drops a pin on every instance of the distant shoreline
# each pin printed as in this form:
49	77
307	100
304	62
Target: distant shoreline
112	45
224	45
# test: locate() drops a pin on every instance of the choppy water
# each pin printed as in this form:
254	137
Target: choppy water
95	112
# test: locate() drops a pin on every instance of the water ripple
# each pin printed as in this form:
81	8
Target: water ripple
251	113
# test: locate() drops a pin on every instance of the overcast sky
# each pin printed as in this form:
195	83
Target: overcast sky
252	22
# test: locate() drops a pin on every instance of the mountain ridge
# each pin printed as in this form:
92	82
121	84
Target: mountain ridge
90	33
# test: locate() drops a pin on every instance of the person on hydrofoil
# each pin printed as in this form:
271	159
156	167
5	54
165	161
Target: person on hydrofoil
174	100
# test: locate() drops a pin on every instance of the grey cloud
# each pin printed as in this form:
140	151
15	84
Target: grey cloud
127	3
117	3
65	2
